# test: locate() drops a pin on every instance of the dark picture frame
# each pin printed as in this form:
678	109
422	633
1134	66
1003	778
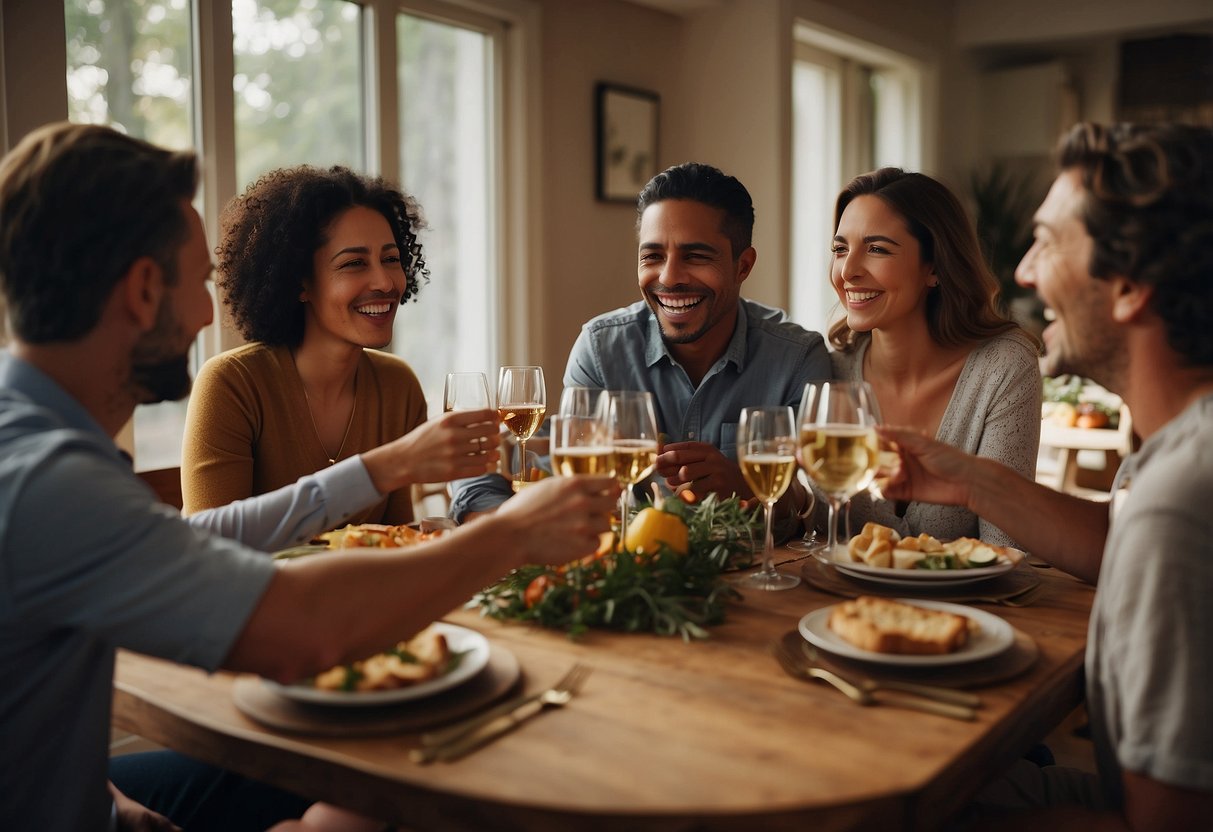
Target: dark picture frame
626	144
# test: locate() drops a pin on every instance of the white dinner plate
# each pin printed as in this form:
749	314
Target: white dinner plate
919	577
993	637
473	646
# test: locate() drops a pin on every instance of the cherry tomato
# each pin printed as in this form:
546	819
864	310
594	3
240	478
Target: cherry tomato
536	589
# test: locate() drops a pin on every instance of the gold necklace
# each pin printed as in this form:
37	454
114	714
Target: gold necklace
332	459
308	400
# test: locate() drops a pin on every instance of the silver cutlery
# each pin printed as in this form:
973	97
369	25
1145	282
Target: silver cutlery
460	739
798	668
939	694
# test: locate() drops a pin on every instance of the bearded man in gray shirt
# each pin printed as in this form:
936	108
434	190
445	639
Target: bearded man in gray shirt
1123	255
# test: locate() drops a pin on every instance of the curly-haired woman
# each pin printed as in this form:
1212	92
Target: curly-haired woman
313	264
922	327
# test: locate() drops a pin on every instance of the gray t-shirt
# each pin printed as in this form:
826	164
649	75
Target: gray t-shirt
1150	645
89	562
994	412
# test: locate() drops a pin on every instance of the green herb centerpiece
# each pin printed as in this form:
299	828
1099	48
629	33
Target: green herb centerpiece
648	585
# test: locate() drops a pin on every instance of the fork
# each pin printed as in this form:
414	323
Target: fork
794	667
455	742
1022	598
955	697
1025	598
574	676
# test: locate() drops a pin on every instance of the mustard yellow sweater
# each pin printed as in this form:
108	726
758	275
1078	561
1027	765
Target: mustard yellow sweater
249	431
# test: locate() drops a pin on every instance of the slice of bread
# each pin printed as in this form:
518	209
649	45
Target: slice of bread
885	626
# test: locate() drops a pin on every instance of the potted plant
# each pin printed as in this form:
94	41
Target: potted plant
1003	203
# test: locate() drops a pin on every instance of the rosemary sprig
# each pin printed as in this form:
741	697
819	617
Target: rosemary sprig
667	594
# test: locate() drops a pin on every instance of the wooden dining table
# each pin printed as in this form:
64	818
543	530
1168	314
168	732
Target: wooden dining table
665	734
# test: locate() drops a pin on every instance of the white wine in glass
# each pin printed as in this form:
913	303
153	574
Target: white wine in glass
632	427
766	451
838	447
521	405
579	445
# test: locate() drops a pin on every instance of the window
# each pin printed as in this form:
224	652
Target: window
841	87
300	76
446	163
298	85
131	65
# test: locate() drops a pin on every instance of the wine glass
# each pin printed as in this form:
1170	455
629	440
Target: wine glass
838	448
580	446
581	401
888	460
465	391
521	404
766	451
809	542
632	427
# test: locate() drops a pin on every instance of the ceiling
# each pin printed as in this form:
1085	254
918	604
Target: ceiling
679	7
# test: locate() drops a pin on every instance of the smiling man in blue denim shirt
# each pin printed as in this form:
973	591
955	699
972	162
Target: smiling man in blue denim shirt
693	342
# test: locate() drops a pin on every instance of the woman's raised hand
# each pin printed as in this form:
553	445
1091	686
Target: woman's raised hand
462	443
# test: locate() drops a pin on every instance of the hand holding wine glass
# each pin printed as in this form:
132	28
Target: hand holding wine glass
468	391
465	391
521	405
838	448
766	451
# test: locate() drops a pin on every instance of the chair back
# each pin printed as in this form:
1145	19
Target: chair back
166	482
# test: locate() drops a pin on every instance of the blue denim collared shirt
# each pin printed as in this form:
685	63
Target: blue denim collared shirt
768	361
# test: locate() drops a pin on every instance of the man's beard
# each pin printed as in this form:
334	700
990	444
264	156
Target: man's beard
674	335
160	367
159	381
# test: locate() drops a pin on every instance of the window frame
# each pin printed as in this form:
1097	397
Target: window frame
515	148
34	60
854	62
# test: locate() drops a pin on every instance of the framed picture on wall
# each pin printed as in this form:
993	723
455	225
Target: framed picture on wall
627	141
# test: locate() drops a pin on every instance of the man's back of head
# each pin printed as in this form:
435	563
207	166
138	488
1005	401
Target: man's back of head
709	185
1149	209
78	205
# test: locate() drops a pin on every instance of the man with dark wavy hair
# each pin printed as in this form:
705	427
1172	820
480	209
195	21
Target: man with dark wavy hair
693	341
1123	255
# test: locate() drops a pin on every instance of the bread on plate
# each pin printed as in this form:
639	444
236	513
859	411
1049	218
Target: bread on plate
882	625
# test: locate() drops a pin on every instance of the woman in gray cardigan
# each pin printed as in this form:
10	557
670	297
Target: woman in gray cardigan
922	327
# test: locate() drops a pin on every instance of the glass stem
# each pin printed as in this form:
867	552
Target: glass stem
624	506
520	477
832	533
768	546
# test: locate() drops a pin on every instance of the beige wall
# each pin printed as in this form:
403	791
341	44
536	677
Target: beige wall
589	247
990	22
723	74
723	77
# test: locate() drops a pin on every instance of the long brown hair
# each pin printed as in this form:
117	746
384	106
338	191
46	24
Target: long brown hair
963	308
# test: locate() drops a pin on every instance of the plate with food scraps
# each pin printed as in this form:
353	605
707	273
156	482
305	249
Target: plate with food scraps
469	655
919	577
989	635
952	563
